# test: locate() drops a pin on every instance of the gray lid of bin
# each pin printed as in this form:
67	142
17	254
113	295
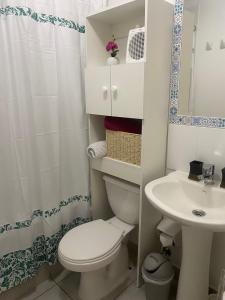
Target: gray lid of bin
157	267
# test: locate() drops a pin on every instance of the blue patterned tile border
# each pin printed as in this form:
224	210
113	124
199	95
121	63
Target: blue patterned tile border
22	11
199	121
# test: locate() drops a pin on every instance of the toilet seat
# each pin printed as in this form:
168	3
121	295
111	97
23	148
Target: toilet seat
90	246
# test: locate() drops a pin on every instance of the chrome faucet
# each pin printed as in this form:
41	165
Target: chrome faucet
208	173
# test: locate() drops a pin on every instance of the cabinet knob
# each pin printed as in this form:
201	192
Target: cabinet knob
105	91
114	90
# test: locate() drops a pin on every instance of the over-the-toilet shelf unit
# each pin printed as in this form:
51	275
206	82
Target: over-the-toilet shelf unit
142	93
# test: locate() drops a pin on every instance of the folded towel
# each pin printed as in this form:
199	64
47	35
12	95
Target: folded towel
123	124
97	150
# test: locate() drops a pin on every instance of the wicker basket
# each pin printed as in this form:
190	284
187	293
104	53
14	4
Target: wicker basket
124	146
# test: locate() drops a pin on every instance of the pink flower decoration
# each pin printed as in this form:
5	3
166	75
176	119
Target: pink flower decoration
115	46
111	46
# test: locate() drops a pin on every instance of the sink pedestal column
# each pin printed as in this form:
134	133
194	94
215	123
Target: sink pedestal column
194	274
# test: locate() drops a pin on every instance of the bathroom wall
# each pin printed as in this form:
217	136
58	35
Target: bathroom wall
186	143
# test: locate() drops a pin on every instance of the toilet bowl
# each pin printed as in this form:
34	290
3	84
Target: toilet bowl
98	249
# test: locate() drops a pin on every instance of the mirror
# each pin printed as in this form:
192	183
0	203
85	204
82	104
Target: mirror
202	59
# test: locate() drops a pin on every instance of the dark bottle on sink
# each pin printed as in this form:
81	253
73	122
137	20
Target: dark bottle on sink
195	170
222	185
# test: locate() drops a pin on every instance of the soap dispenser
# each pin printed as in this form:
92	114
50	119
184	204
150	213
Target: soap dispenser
222	185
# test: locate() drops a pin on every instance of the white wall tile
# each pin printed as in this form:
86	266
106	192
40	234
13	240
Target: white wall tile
182	147
211	147
186	143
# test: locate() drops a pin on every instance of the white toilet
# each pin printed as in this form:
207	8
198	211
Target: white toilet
98	249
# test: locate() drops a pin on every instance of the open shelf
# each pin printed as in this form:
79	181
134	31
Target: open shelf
117	21
117	14
117	168
143	91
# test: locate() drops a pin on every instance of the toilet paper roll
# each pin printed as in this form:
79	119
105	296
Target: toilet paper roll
169	227
166	240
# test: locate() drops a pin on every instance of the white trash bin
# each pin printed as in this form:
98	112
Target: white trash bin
158	274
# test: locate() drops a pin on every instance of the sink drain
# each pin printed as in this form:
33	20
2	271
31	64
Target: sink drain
199	213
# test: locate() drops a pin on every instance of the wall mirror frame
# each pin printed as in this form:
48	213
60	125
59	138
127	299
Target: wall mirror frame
175	118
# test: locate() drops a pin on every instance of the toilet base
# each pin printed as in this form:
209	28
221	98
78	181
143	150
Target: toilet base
99	284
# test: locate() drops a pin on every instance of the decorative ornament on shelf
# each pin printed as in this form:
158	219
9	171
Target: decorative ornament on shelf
113	48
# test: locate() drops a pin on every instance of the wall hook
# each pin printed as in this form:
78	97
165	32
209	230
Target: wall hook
222	44
209	46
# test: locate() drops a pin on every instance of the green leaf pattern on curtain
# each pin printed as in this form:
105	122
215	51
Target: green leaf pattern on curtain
45	214
15	267
40	17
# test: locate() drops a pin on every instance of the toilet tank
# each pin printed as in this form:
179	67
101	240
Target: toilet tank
123	198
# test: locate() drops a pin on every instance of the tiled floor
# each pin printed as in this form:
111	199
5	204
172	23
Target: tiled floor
65	288
134	293
54	293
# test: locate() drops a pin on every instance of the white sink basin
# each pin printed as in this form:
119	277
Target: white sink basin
178	197
201	211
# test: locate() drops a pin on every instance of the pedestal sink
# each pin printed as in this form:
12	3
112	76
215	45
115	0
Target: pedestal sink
201	211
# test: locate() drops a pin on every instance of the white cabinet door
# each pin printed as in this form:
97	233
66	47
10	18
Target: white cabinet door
97	90
127	90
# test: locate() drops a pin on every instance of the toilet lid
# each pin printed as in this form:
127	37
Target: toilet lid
90	241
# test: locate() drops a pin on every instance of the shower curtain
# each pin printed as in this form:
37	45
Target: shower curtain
44	188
